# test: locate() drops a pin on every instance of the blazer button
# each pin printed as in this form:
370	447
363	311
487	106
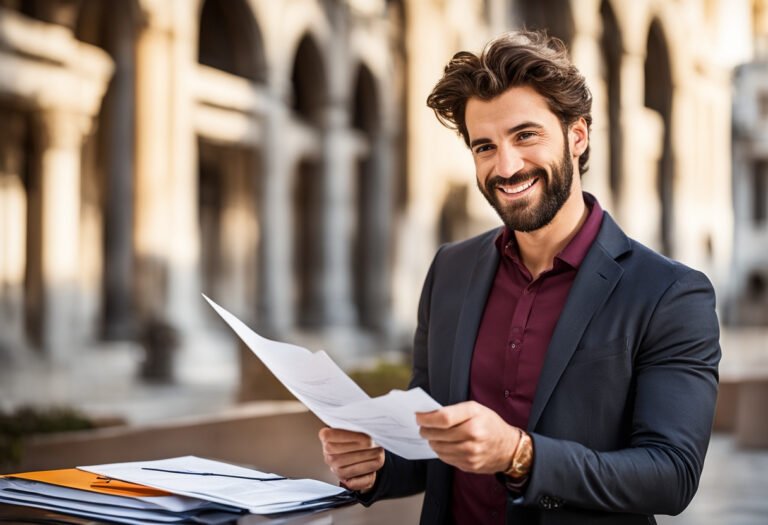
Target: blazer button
550	502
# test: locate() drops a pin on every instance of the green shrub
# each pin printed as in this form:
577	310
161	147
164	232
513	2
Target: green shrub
383	378
25	421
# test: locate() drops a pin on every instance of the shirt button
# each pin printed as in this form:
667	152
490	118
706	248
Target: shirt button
506	394
513	346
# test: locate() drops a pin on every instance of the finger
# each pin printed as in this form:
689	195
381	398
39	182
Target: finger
455	456
351	458
453	448
337	435
358	469
452	434
349	446
447	417
360	483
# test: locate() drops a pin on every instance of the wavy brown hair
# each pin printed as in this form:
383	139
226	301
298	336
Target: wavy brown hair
521	58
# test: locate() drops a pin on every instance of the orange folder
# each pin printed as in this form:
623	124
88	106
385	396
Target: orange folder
79	479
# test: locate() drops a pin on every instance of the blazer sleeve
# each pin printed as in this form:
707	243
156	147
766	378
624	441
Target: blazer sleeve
400	477
675	374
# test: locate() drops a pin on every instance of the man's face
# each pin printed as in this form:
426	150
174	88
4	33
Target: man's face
522	158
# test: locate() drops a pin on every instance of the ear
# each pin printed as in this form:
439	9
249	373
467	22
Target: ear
578	137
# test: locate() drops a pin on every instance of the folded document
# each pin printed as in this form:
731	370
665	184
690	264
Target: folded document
248	489
178	490
336	399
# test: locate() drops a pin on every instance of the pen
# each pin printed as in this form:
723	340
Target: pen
211	474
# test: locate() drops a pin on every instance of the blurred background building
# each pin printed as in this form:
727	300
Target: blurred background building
279	157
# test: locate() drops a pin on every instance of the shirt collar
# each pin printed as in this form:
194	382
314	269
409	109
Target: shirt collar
575	251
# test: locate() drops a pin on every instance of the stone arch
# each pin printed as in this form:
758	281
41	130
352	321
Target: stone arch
659	97
309	82
612	50
229	173
397	14
228	192
307	239
553	15
108	163
309	102
366	119
230	39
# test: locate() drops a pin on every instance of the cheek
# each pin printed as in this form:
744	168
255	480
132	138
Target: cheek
483	170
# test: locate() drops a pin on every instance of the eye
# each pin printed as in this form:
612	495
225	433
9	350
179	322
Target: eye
526	135
482	148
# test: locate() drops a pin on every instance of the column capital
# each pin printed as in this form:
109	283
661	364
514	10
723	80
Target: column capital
62	129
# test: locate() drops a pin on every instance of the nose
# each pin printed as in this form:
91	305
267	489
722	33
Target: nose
508	161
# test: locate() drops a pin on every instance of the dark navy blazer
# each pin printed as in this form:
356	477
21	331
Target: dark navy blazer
623	410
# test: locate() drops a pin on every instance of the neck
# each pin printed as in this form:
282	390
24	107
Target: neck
539	248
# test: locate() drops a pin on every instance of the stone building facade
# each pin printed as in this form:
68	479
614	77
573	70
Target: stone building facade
749	283
279	157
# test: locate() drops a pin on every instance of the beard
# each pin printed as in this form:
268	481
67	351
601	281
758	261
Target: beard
523	215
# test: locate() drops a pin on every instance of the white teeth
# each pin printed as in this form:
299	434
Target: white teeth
517	189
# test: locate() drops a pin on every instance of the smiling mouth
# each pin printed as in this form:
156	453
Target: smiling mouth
518	188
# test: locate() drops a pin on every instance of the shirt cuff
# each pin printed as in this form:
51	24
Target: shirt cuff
513	485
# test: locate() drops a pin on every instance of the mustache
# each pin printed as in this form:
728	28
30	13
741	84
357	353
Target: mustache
517	178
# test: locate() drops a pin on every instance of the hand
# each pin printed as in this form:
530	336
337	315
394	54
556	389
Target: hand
352	457
470	436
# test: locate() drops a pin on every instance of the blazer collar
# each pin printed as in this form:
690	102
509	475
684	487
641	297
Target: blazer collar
477	289
595	280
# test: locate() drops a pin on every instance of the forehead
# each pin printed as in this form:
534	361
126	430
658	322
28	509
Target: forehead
514	106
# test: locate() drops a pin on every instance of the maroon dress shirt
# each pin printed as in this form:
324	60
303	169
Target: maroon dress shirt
519	318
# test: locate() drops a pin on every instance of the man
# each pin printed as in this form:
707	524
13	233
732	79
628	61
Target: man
577	368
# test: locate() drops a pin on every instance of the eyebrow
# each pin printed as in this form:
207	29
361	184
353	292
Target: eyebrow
511	131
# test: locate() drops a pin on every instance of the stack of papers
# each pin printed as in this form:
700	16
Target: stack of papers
336	399
247	489
179	490
80	493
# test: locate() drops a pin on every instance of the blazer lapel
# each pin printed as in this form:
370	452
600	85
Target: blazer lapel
473	306
595	280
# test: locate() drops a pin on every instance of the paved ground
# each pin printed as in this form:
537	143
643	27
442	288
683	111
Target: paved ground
733	489
104	381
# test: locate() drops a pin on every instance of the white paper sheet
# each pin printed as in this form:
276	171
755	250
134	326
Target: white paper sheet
336	399
221	483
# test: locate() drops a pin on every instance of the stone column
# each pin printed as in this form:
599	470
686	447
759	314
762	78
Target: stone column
13	231
275	307
118	208
238	233
153	146
640	203
61	141
379	241
586	53
185	305
639	208
335	287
